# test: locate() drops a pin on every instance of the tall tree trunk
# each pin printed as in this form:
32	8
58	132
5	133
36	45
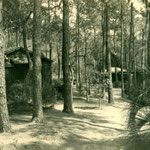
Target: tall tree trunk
78	46
49	41
4	118
116	72
122	53
65	59
110	86
57	41
147	29
143	60
58	57
17	38
103	49
77	43
24	34
85	63
58	61
8	40
134	59
148	41
116	75
125	45
130	51
76	60
37	85
79	70
145	38
49	85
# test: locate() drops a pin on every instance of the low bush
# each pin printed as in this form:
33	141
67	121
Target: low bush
58	88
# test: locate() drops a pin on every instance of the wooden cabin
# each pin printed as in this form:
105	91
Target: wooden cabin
17	67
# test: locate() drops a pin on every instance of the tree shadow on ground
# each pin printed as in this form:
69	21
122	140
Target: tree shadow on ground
86	107
19	121
81	98
59	120
75	142
83	130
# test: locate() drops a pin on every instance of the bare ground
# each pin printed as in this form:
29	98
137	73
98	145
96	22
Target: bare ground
89	128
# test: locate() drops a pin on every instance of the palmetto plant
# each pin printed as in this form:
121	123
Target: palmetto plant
139	115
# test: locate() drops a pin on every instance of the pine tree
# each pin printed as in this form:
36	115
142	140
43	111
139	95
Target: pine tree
37	84
4	118
110	86
65	60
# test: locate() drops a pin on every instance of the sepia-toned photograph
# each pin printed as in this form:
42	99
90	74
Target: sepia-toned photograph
74	74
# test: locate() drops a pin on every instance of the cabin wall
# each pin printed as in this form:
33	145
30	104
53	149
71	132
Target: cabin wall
46	85
15	77
18	72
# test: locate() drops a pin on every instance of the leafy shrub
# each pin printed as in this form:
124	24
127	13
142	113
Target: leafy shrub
58	88
117	84
18	96
17	92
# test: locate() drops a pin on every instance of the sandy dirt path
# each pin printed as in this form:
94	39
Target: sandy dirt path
89	128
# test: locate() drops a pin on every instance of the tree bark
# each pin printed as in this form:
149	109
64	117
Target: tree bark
49	41
37	85
77	43
147	33
143	61
148	41
24	34
65	59
57	41
130	51
134	58
58	61
85	63
103	49
110	86
8	40
122	53
4	118
17	38
116	72
78	47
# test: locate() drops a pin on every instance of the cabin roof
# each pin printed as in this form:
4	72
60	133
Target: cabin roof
11	51
117	69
